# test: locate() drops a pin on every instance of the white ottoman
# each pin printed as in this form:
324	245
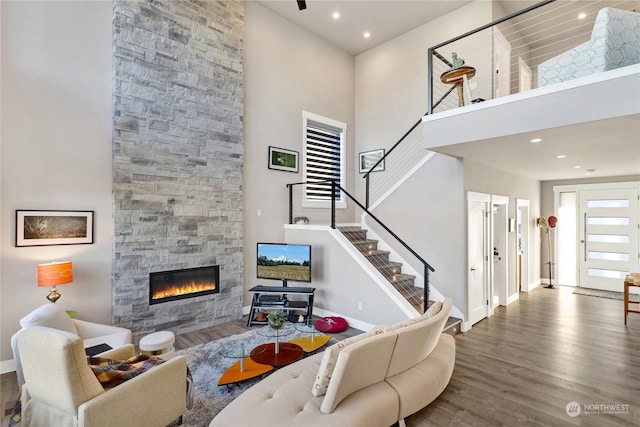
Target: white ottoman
159	344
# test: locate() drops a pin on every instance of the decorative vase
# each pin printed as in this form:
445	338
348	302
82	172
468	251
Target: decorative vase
276	324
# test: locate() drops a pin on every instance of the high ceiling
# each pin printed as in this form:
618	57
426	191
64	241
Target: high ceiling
385	20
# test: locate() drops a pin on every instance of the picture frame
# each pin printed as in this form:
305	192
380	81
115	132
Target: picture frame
54	227
369	158
283	160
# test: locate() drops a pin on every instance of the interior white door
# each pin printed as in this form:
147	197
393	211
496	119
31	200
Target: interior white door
477	259
501	64
608	237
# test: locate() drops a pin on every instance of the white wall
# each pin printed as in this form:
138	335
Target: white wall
428	215
391	79
56	150
287	70
343	287
484	179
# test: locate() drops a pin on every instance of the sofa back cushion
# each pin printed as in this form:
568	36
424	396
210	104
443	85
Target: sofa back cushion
330	357
359	365
50	316
416	341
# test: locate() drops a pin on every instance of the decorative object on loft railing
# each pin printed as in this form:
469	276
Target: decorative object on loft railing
369	158
54	274
45	228
301	220
457	62
283	160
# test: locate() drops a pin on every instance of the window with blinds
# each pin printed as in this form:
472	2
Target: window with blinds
324	158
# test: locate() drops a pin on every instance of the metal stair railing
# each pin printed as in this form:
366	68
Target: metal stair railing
427	268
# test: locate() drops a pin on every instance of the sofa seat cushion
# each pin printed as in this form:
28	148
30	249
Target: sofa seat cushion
435	370
284	399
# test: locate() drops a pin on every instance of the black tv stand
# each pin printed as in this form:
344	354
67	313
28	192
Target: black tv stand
275	298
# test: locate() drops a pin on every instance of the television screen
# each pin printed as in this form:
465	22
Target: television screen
283	261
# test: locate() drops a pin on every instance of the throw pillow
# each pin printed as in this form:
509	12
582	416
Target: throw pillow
329	359
332	324
50	316
433	309
111	373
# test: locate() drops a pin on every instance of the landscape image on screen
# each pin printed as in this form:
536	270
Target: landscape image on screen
284	262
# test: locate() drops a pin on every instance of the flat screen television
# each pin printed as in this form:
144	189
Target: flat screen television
284	261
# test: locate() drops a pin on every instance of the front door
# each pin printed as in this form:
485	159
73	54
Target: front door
608	237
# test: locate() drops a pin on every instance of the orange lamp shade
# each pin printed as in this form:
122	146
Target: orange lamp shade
55	273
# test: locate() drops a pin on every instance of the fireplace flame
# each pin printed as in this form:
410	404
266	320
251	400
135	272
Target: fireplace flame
183	289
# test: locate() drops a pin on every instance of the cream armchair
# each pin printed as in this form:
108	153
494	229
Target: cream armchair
52	316
61	390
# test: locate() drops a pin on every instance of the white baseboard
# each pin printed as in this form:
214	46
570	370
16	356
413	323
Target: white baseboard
465	326
513	298
7	366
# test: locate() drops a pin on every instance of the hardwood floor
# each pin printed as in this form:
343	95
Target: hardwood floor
523	365
526	363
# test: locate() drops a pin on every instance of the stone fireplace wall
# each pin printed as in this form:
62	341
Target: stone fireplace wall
177	157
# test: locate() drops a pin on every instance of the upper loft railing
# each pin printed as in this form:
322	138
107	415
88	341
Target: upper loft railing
546	43
336	216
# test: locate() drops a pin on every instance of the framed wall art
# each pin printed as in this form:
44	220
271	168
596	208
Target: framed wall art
370	158
283	160
44	228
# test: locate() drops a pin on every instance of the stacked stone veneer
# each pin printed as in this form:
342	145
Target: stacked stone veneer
177	157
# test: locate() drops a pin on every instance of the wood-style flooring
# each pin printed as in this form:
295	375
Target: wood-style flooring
522	366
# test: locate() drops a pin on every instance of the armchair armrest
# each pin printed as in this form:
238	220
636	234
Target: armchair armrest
156	398
93	330
119	353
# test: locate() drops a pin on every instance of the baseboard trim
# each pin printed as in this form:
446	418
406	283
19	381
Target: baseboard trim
7	366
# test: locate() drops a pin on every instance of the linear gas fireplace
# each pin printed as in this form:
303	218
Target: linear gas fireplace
187	283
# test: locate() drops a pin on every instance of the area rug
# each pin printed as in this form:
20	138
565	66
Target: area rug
207	364
605	294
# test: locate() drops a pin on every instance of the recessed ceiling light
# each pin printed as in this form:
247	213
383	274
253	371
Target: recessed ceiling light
577	167
582	15
336	15
366	35
534	140
561	156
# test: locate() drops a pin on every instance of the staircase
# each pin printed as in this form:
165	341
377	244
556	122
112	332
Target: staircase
404	283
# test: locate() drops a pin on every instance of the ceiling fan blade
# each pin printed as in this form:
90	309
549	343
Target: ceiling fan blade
302	4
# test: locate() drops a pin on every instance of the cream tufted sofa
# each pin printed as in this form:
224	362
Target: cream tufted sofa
614	43
373	379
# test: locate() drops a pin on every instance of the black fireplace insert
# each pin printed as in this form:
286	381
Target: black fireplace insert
173	285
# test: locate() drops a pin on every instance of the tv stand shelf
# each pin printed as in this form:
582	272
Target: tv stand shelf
276	298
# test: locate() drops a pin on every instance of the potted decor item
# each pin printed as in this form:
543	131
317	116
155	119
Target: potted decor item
276	319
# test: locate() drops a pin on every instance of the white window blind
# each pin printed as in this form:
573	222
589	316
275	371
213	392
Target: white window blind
324	158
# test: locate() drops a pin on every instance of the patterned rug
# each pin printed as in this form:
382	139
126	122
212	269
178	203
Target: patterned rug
207	365
605	294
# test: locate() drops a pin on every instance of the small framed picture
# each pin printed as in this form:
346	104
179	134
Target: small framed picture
370	158
283	160
45	228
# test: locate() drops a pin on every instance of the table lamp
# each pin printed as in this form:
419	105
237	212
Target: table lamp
53	274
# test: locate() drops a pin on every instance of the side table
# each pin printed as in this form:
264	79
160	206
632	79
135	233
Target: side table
632	280
459	76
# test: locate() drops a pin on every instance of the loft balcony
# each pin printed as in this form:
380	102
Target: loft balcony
575	87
